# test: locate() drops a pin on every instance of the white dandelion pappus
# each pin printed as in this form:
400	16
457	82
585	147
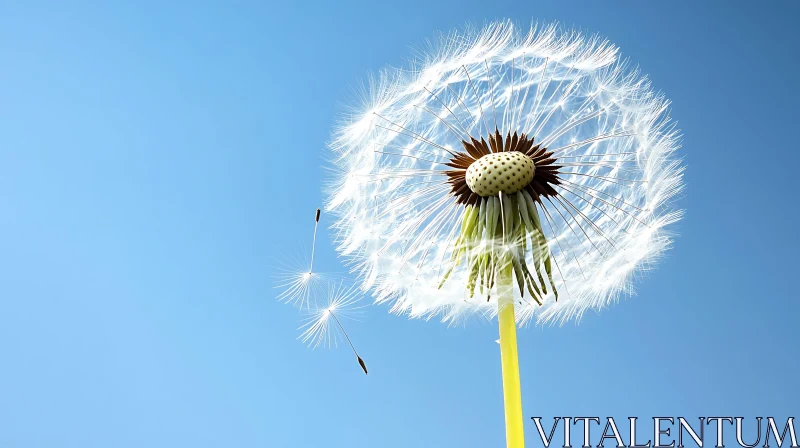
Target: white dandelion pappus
296	276
323	326
320	328
409	220
299	283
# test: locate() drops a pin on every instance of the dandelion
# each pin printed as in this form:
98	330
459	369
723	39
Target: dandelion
324	326
523	175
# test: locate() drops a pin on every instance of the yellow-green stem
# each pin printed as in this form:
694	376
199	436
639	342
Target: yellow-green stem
512	395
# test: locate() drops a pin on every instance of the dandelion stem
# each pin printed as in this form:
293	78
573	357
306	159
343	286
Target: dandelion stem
512	394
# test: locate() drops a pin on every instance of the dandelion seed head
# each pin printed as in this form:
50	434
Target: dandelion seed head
600	138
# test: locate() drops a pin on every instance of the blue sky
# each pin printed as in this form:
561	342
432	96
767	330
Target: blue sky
155	159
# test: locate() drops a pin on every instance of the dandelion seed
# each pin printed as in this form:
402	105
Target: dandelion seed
324	326
301	285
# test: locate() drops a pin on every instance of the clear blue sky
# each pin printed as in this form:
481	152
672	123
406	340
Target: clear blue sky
155	157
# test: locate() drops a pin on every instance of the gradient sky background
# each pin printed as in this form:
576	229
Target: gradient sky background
156	157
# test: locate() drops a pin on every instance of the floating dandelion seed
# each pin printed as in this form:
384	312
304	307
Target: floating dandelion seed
301	285
506	166
324	324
